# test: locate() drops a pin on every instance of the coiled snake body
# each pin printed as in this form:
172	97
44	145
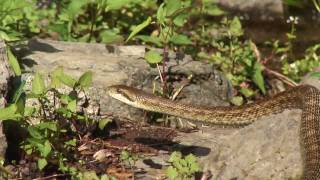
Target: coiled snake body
304	97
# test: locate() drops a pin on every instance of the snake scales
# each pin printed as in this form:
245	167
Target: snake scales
304	97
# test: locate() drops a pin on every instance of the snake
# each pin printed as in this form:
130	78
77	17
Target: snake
304	97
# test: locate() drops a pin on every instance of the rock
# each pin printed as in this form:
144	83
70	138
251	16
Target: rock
124	65
5	75
263	10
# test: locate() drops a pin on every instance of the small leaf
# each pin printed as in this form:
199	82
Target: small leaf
13	63
173	6
150	39
86	79
34	132
153	57
161	14
55	80
180	39
48	125
237	100
258	77
247	92
46	149
72	142
104	122
67	80
38	86
72	106
9	112
42	163
18	92
172	173
139	28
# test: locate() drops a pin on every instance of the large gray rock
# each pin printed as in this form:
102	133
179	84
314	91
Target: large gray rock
5	75
124	65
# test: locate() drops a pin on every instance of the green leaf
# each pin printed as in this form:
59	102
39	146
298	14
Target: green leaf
172	173
42	163
117	4
153	57
235	27
258	77
29	111
237	100
139	28
46	149
180	39
72	106
38	86
247	92
104	122
13	63
161	14
9	112
72	142
18	92
55	77
67	80
172	6
150	39
34	132
85	80
48	125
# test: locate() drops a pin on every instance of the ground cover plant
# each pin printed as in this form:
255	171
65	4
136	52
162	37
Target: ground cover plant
50	147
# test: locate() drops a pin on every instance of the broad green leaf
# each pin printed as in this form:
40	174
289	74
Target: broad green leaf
55	77
48	125
153	57
150	39
13	63
104	122
258	77
21	105
67	80
46	149
117	4
180	39
161	14
9	112
38	86
34	132
42	163
139	27
18	91
29	111
181	19
72	106
85	80
172	6
4	36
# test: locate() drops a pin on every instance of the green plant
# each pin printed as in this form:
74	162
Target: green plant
182	168
129	158
236	58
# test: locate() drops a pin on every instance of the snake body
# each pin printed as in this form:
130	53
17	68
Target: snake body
304	97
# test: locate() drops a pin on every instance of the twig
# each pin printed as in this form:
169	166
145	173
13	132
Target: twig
185	83
280	76
283	78
160	74
52	176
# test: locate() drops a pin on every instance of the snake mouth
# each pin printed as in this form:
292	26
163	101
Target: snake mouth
120	93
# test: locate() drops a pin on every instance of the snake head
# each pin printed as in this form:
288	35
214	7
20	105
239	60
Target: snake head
123	93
